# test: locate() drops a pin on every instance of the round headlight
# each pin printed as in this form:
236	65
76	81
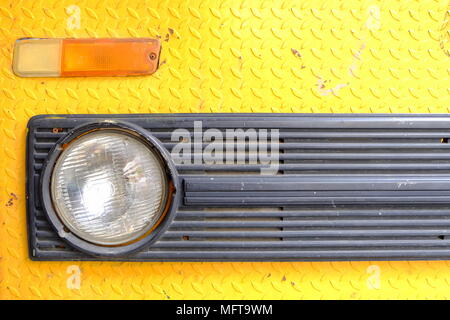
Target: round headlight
109	187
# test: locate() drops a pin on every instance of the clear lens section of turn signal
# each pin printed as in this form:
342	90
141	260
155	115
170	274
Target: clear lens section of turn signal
37	58
85	57
108	187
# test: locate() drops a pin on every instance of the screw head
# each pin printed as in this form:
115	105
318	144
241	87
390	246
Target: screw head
152	56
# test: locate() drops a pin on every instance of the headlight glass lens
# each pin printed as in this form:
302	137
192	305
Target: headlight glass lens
108	187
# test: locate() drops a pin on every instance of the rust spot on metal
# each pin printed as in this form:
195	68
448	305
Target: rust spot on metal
13	197
296	53
167	296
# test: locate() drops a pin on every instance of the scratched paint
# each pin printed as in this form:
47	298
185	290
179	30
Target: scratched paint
372	24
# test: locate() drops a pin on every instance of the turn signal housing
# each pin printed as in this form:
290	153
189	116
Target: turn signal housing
85	57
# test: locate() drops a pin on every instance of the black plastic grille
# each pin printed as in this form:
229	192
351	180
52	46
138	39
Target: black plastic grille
349	187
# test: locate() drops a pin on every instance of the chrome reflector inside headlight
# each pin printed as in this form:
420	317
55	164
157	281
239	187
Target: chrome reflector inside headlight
108	187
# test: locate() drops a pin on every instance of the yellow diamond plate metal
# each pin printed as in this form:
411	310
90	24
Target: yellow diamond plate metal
224	56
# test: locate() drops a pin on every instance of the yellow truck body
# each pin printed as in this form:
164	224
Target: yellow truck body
224	56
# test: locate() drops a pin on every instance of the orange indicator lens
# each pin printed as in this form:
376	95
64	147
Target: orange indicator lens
109	57
85	57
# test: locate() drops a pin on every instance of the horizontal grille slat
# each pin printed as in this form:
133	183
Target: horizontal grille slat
354	156
302	244
323	145
293	254
325	213
315	233
323	166
348	187
311	223
332	134
328	201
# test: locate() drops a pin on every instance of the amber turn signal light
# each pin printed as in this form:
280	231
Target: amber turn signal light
85	57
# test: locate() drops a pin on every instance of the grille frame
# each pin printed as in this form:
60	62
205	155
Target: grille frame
302	244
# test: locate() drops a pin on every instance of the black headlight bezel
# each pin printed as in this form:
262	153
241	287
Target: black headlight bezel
169	210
